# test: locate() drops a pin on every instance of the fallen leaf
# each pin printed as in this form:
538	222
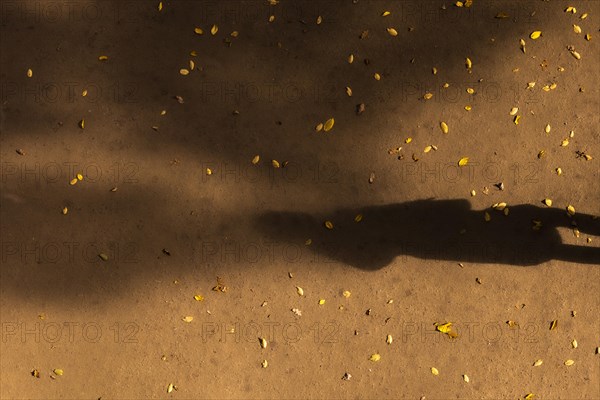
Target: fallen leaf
198	297
300	291
209	171
574	344
321	302
187	319
427	96
535	35
375	357
103	58
73	181
346	293
466	378
348	91
463	161
444	127
319	127
570	210
256	159
58	371
329	224
576	29
385	13
160	6
358	218
568	363
377	76
184	71
514	111
170	388
214	29
198	30
264	364
537	363
29	73
65	210
275	164
548	202
350	58
82	124
392	31
328	124
389	339
319	20
553	324
435	371
468	63
547	128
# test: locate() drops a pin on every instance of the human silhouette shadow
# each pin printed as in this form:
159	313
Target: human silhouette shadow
438	230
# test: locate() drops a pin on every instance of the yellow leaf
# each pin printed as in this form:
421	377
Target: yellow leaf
234	34
468	108
192	65
170	388
572	10
271	18
375	357
256	159
444	127
463	161
329	224
29	73
588	37
529	396
468	63
103	58
547	128
65	210
198	297
263	342
470	90
188	319
574	343
198	30
300	291
444	328
571	210
487	216
517	119
553	324
568	363
584	16
79	177
73	181
319	20
319	127
427	149
435	371
350	58
308	242
328	124
466	378
193	53
264	364
321	302
58	371
537	363
576	29
82	124
209	171
214	29
514	111
346	293
348	91
548	202
535	35
377	76
392	31
358	218
576	54
389	339
408	140
275	164
427	96
558	171
184	71
564	143
160	6
385	13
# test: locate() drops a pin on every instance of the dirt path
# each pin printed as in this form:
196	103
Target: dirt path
243	228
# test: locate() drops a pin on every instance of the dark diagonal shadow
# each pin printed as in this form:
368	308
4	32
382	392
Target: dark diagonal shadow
438	230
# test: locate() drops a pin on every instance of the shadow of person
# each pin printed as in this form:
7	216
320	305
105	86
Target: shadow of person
437	230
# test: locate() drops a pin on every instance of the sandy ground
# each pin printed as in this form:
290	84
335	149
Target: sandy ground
161	275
